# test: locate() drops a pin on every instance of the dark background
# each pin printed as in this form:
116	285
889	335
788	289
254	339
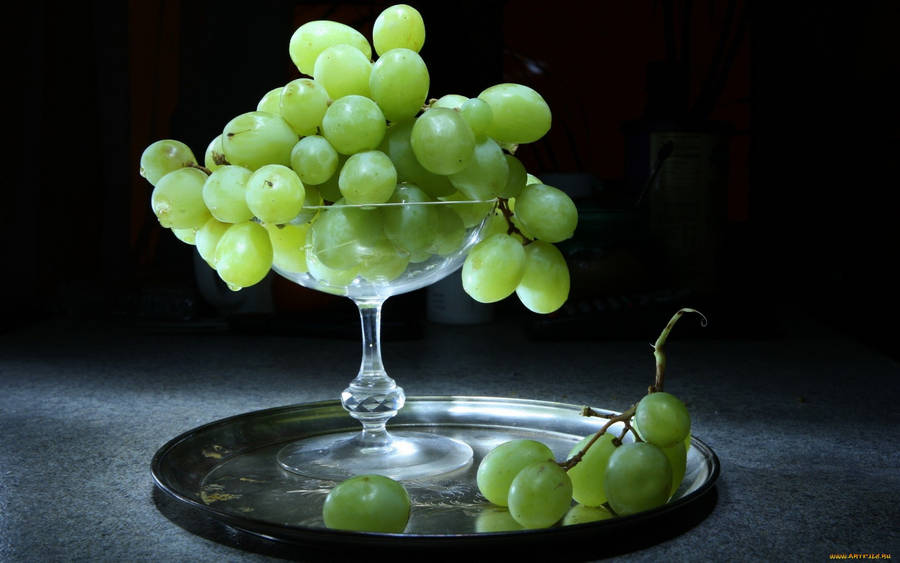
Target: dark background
807	217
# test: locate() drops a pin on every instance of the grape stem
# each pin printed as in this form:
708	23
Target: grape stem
503	205
624	417
658	352
199	167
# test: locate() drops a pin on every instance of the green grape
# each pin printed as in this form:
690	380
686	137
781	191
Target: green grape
581	514
515	179
545	284
442	141
478	115
288	246
638	478
165	156
520	115
353	124
314	160
208	237
330	189
258	138
343	70
501	465
398	26
224	194
449	233
271	101
347	237
540	495
385	263
329	276
215	155
313	37
495	519
546	212
588	474
486	174
302	104
677	456
187	236
399	83
396	146
532	179
367	503
450	101
493	268
411	227
367	177
275	194
243	256
663	419
177	199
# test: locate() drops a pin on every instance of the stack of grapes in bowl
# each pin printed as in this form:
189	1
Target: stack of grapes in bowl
354	180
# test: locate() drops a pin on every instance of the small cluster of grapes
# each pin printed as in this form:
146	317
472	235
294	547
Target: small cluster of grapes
301	183
607	475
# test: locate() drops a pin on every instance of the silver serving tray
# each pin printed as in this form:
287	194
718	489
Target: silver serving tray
225	473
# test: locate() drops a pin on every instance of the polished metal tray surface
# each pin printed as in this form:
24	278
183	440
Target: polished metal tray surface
226	471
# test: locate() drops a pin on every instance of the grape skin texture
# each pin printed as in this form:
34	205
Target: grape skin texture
343	70
663	419
367	503
224	194
677	456
399	83
302	104
165	156
545	283
398	26
258	138
540	495
311	38
638	478
367	177
493	268
588	474
501	465
520	114
177	199
275	193
353	124
208	237
442	141
547	212
243	255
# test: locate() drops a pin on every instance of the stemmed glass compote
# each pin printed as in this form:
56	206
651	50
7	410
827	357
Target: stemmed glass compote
373	397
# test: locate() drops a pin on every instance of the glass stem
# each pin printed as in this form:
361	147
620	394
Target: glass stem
372	397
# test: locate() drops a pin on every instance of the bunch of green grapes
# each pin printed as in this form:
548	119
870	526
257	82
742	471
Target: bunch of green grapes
606	474
361	131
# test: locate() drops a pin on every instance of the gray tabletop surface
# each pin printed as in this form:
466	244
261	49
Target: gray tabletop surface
805	426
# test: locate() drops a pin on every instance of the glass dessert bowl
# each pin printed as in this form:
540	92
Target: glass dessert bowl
369	253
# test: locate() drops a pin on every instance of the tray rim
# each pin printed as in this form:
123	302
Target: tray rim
299	535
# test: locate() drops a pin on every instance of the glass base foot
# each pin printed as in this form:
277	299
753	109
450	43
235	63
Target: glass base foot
406	455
